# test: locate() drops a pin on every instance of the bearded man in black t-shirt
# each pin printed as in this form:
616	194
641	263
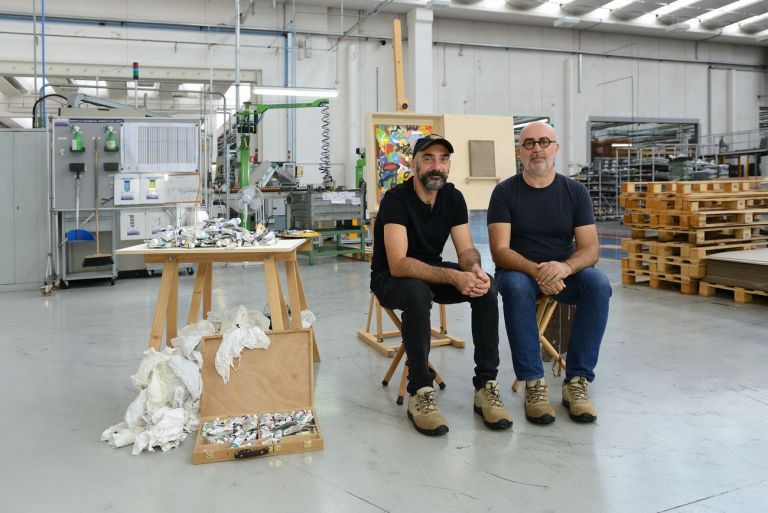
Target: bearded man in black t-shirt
533	219
407	273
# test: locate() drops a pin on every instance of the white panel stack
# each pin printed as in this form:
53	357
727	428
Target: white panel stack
160	148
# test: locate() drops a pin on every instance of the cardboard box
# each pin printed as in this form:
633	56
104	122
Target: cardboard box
277	379
133	225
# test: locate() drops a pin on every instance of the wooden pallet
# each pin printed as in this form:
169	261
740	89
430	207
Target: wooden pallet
688	286
693	186
698	236
661	265
691	203
693	253
740	295
691	220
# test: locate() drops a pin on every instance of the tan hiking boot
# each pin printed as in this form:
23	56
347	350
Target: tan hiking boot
423	412
576	399
489	405
537	407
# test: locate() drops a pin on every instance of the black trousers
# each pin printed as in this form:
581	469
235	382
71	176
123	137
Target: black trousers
414	298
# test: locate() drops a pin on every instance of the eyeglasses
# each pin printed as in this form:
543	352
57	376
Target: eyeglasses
544	142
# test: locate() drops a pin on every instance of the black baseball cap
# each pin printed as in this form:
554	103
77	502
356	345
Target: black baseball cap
428	140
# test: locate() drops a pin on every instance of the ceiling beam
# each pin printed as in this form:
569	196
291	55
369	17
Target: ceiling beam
106	72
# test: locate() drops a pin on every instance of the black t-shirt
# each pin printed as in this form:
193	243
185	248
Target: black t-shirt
542	220
428	228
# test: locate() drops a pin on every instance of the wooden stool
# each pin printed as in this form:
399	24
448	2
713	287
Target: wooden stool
440	336
545	307
398	356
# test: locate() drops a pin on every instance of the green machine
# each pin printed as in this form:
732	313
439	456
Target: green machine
247	124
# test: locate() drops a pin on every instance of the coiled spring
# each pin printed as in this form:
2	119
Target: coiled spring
325	146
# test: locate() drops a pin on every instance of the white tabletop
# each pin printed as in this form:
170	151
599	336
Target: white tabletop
282	246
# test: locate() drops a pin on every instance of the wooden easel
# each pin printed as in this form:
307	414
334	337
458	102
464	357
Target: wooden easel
440	335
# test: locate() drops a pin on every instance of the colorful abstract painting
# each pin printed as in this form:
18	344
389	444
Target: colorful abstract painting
393	154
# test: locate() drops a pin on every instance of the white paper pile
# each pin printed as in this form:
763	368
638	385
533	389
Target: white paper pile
169	382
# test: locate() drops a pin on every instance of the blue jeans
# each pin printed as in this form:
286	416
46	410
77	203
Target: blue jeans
588	289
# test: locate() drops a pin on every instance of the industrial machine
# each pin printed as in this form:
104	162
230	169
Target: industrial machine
275	176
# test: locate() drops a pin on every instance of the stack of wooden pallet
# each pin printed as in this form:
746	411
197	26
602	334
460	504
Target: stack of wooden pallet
675	225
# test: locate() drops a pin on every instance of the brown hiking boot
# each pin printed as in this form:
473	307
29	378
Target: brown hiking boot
576	399
537	407
423	412
489	405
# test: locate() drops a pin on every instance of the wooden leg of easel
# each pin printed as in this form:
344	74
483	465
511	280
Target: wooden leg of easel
393	365
379	329
370	313
403	383
443	328
197	294
161	307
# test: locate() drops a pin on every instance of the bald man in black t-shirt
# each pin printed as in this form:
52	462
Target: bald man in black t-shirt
533	220
408	273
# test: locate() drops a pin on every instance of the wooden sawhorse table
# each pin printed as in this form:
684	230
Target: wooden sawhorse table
166	310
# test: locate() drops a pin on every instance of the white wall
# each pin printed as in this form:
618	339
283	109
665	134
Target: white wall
465	80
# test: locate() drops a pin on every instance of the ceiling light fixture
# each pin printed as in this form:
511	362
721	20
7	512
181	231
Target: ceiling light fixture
299	92
735	6
566	22
674	6
678	27
615	5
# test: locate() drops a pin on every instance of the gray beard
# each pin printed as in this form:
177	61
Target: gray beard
432	185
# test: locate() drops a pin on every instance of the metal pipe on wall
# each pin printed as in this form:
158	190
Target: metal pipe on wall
34	45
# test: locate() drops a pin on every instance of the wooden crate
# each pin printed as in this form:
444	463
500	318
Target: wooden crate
277	379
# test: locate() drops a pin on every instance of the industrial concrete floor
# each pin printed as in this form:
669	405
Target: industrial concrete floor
681	395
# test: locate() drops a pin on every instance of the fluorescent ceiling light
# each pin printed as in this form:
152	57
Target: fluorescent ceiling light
621	145
678	27
191	87
566	22
617	4
523	125
748	21
674	6
303	92
91	83
735	6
